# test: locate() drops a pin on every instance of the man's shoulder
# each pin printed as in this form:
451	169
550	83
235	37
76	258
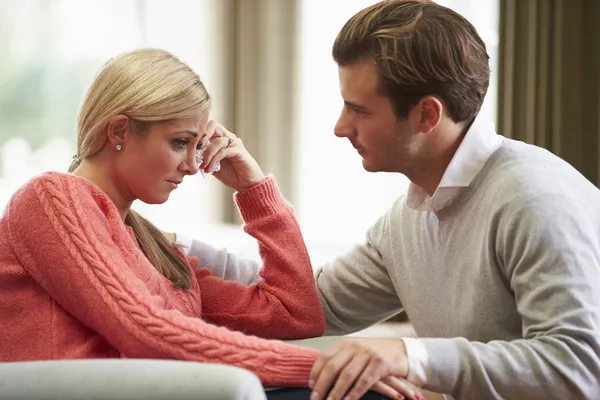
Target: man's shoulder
518	167
519	156
519	174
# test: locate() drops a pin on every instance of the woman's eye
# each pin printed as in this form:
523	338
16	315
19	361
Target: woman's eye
180	143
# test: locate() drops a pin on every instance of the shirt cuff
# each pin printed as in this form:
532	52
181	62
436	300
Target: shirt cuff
418	361
185	243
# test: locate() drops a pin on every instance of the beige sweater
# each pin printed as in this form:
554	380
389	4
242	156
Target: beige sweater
503	285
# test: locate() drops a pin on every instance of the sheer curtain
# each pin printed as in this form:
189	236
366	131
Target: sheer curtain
338	200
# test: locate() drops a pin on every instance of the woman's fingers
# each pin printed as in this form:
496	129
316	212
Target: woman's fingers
387	391
213	148
215	130
222	154
401	387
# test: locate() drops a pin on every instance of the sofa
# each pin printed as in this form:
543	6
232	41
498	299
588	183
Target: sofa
121	379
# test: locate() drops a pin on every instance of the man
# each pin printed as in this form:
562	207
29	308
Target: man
494	253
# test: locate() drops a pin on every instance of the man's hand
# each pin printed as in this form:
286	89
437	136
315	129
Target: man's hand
355	365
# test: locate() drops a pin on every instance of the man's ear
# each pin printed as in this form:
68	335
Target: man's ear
427	114
119	130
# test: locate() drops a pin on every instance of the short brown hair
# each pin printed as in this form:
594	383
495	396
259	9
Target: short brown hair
420	49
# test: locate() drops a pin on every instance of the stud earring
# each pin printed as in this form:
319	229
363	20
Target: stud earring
118	147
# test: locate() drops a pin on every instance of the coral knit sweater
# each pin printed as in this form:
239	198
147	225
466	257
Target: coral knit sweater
74	284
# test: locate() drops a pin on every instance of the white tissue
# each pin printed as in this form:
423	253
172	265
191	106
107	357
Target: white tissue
200	158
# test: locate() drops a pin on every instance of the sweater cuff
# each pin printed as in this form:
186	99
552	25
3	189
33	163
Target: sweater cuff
418	361
294	366
185	243
444	364
261	200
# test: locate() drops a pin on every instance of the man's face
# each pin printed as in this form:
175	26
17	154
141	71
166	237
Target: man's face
369	123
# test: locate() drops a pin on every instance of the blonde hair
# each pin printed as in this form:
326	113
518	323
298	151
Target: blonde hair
420	48
147	85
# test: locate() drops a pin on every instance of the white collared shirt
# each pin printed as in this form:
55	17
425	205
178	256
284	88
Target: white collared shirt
480	141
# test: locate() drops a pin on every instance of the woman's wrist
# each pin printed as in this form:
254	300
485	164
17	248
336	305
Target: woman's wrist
249	185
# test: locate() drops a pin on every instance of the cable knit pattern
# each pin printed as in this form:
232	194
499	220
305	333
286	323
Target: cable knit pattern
77	286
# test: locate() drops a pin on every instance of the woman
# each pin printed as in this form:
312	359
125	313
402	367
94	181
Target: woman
84	276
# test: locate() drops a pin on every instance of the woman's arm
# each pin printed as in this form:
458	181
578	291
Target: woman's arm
284	304
70	239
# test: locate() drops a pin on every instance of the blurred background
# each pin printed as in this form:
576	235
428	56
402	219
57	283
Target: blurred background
268	67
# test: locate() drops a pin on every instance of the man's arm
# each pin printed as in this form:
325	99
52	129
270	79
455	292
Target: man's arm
355	289
221	263
550	251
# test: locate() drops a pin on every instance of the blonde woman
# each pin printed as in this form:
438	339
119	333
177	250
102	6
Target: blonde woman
84	276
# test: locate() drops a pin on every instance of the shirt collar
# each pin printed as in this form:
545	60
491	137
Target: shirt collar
480	141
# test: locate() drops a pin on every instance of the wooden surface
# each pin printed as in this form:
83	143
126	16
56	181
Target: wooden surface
432	396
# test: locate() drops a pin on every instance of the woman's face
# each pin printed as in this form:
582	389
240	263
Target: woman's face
151	166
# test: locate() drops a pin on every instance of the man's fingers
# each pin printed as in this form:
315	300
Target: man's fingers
323	358
348	376
325	372
372	373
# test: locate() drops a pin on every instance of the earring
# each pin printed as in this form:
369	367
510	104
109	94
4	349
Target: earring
118	147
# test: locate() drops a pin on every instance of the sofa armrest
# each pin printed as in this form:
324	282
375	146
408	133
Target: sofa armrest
120	379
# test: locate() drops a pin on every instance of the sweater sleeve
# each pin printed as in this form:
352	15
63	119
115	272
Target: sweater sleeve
356	290
549	250
284	304
72	243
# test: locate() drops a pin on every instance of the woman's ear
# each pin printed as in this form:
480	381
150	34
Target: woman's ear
119	130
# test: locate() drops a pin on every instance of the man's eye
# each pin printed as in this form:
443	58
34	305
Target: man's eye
180	143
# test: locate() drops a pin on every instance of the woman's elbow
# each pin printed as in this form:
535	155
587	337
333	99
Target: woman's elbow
311	325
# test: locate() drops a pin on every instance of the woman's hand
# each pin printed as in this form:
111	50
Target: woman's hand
397	388
239	170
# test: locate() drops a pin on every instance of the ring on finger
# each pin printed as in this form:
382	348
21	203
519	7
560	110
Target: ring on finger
230	142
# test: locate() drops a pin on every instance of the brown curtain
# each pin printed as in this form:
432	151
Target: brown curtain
255	47
549	78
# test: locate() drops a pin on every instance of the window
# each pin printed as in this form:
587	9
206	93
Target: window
45	71
51	51
338	200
